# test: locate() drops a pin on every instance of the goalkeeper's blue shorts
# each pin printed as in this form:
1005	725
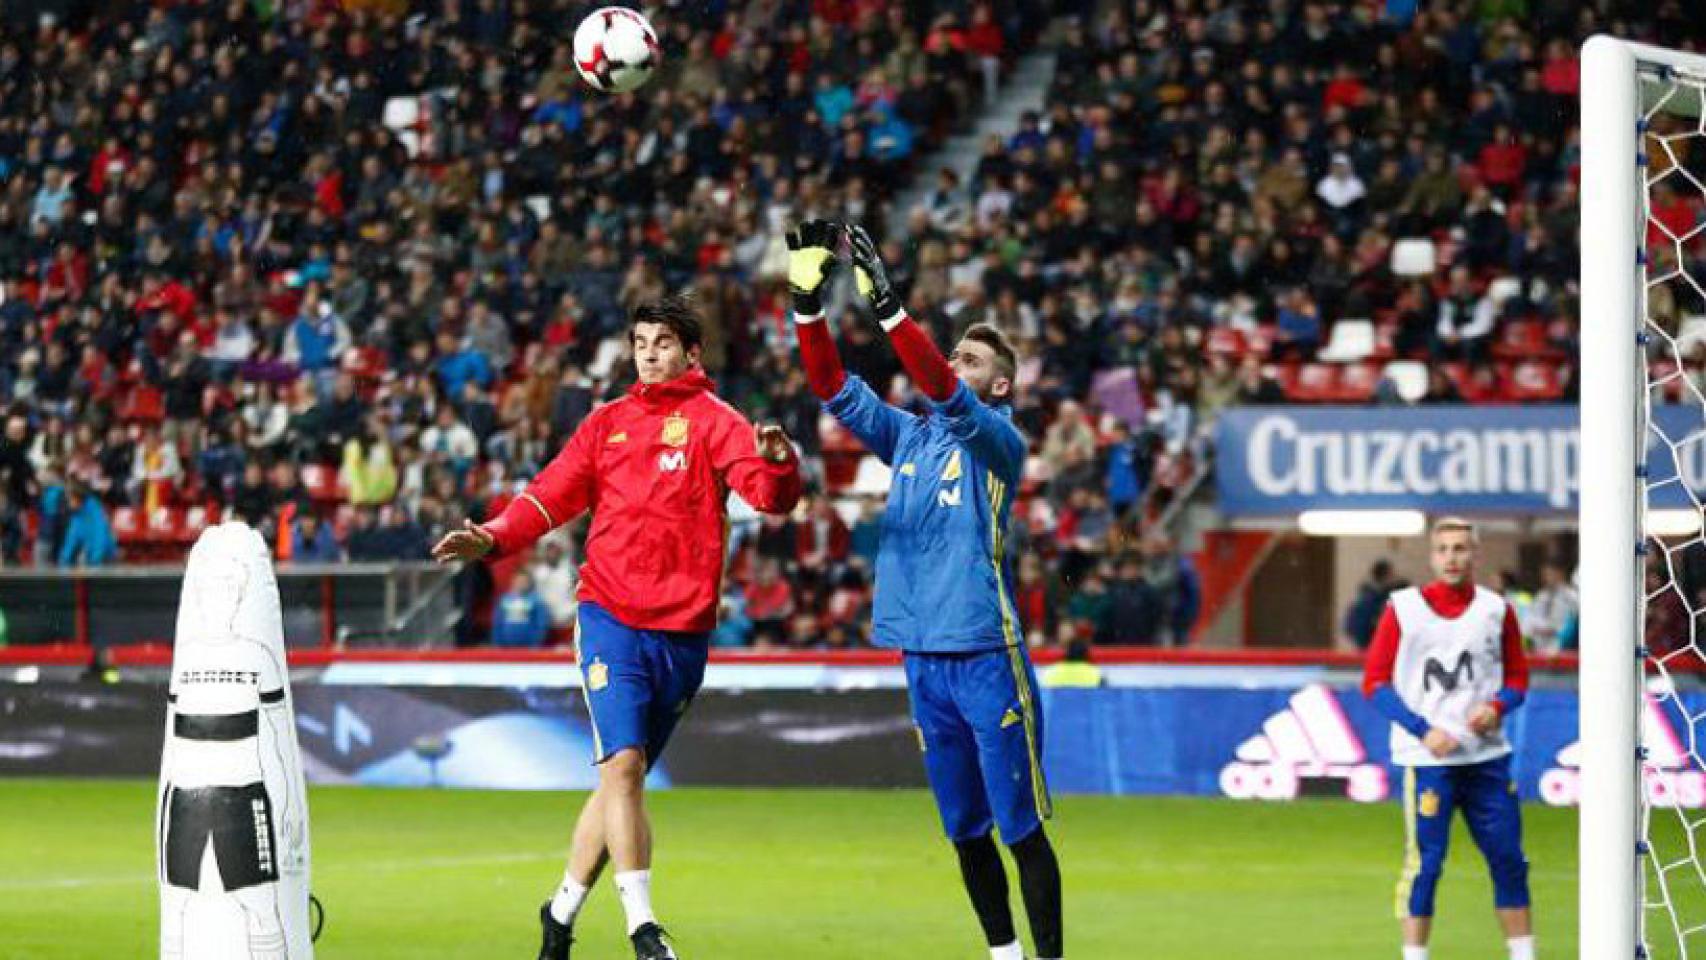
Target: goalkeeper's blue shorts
1486	795
638	683
981	728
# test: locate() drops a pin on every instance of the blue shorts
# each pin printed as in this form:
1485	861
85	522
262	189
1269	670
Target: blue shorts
637	683
981	729
1486	794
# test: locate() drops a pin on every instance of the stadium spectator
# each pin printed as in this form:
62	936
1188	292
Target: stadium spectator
1466	320
88	535
11	529
1555	605
1074	669
363	542
733	627
312	540
769	603
449	440
1510	586
1363	614
1298	324
1343	192
368	472
1136	611
823	537
521	618
554	573
252	501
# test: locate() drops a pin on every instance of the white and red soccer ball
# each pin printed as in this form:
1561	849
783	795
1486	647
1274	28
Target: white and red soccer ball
616	50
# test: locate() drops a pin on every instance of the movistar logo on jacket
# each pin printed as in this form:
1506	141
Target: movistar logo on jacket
1435	672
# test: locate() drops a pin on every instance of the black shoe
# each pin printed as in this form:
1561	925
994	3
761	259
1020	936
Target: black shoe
649	944
555	937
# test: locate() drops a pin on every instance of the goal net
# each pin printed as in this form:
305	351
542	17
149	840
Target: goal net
1643	484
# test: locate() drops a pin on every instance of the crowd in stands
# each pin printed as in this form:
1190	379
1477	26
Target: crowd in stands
353	271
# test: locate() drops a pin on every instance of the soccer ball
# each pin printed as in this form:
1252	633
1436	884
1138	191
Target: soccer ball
616	50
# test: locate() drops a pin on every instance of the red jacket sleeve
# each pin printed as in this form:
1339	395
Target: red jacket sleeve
769	487
824	373
561	492
923	362
1515	662
1382	654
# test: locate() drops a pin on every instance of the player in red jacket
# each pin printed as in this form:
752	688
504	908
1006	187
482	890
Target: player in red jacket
655	468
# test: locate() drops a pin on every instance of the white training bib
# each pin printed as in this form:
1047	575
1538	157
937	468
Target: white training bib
1444	670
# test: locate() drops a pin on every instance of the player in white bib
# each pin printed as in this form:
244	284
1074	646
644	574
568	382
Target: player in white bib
1446	667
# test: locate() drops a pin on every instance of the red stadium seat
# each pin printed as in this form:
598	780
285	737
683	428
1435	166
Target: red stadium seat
1385	342
1475	384
143	403
127	525
1534	381
165	525
1357	382
197	519
1261	340
365	362
342	520
1226	342
1315	383
841	453
321	482
1525	340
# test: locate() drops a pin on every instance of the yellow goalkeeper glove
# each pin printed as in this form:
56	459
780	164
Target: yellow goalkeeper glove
811	259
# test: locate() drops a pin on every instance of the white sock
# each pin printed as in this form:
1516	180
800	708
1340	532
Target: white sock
566	904
1011	951
1415	953
635	889
1521	948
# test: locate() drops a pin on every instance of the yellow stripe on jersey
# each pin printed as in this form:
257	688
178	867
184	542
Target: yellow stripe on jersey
1009	631
530	498
1412	848
586	695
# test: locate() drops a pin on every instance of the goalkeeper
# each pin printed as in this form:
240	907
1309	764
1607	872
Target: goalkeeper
942	579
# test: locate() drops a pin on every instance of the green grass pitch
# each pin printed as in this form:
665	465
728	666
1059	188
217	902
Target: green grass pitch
748	874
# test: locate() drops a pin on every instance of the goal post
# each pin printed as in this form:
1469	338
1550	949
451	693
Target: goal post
1610	607
1630	94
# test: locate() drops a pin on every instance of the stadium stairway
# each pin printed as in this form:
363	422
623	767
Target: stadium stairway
1025	88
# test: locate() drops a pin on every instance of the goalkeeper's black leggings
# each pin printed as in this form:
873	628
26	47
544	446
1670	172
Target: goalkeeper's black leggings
1039	884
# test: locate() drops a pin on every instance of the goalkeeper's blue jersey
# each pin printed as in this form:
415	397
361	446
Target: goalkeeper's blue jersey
943	575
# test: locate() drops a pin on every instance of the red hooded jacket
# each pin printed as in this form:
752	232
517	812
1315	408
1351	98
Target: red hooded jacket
655	469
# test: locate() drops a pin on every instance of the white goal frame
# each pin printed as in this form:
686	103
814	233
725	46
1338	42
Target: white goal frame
1612	518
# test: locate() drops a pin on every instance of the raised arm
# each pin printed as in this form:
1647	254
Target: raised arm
811	260
924	363
561	492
